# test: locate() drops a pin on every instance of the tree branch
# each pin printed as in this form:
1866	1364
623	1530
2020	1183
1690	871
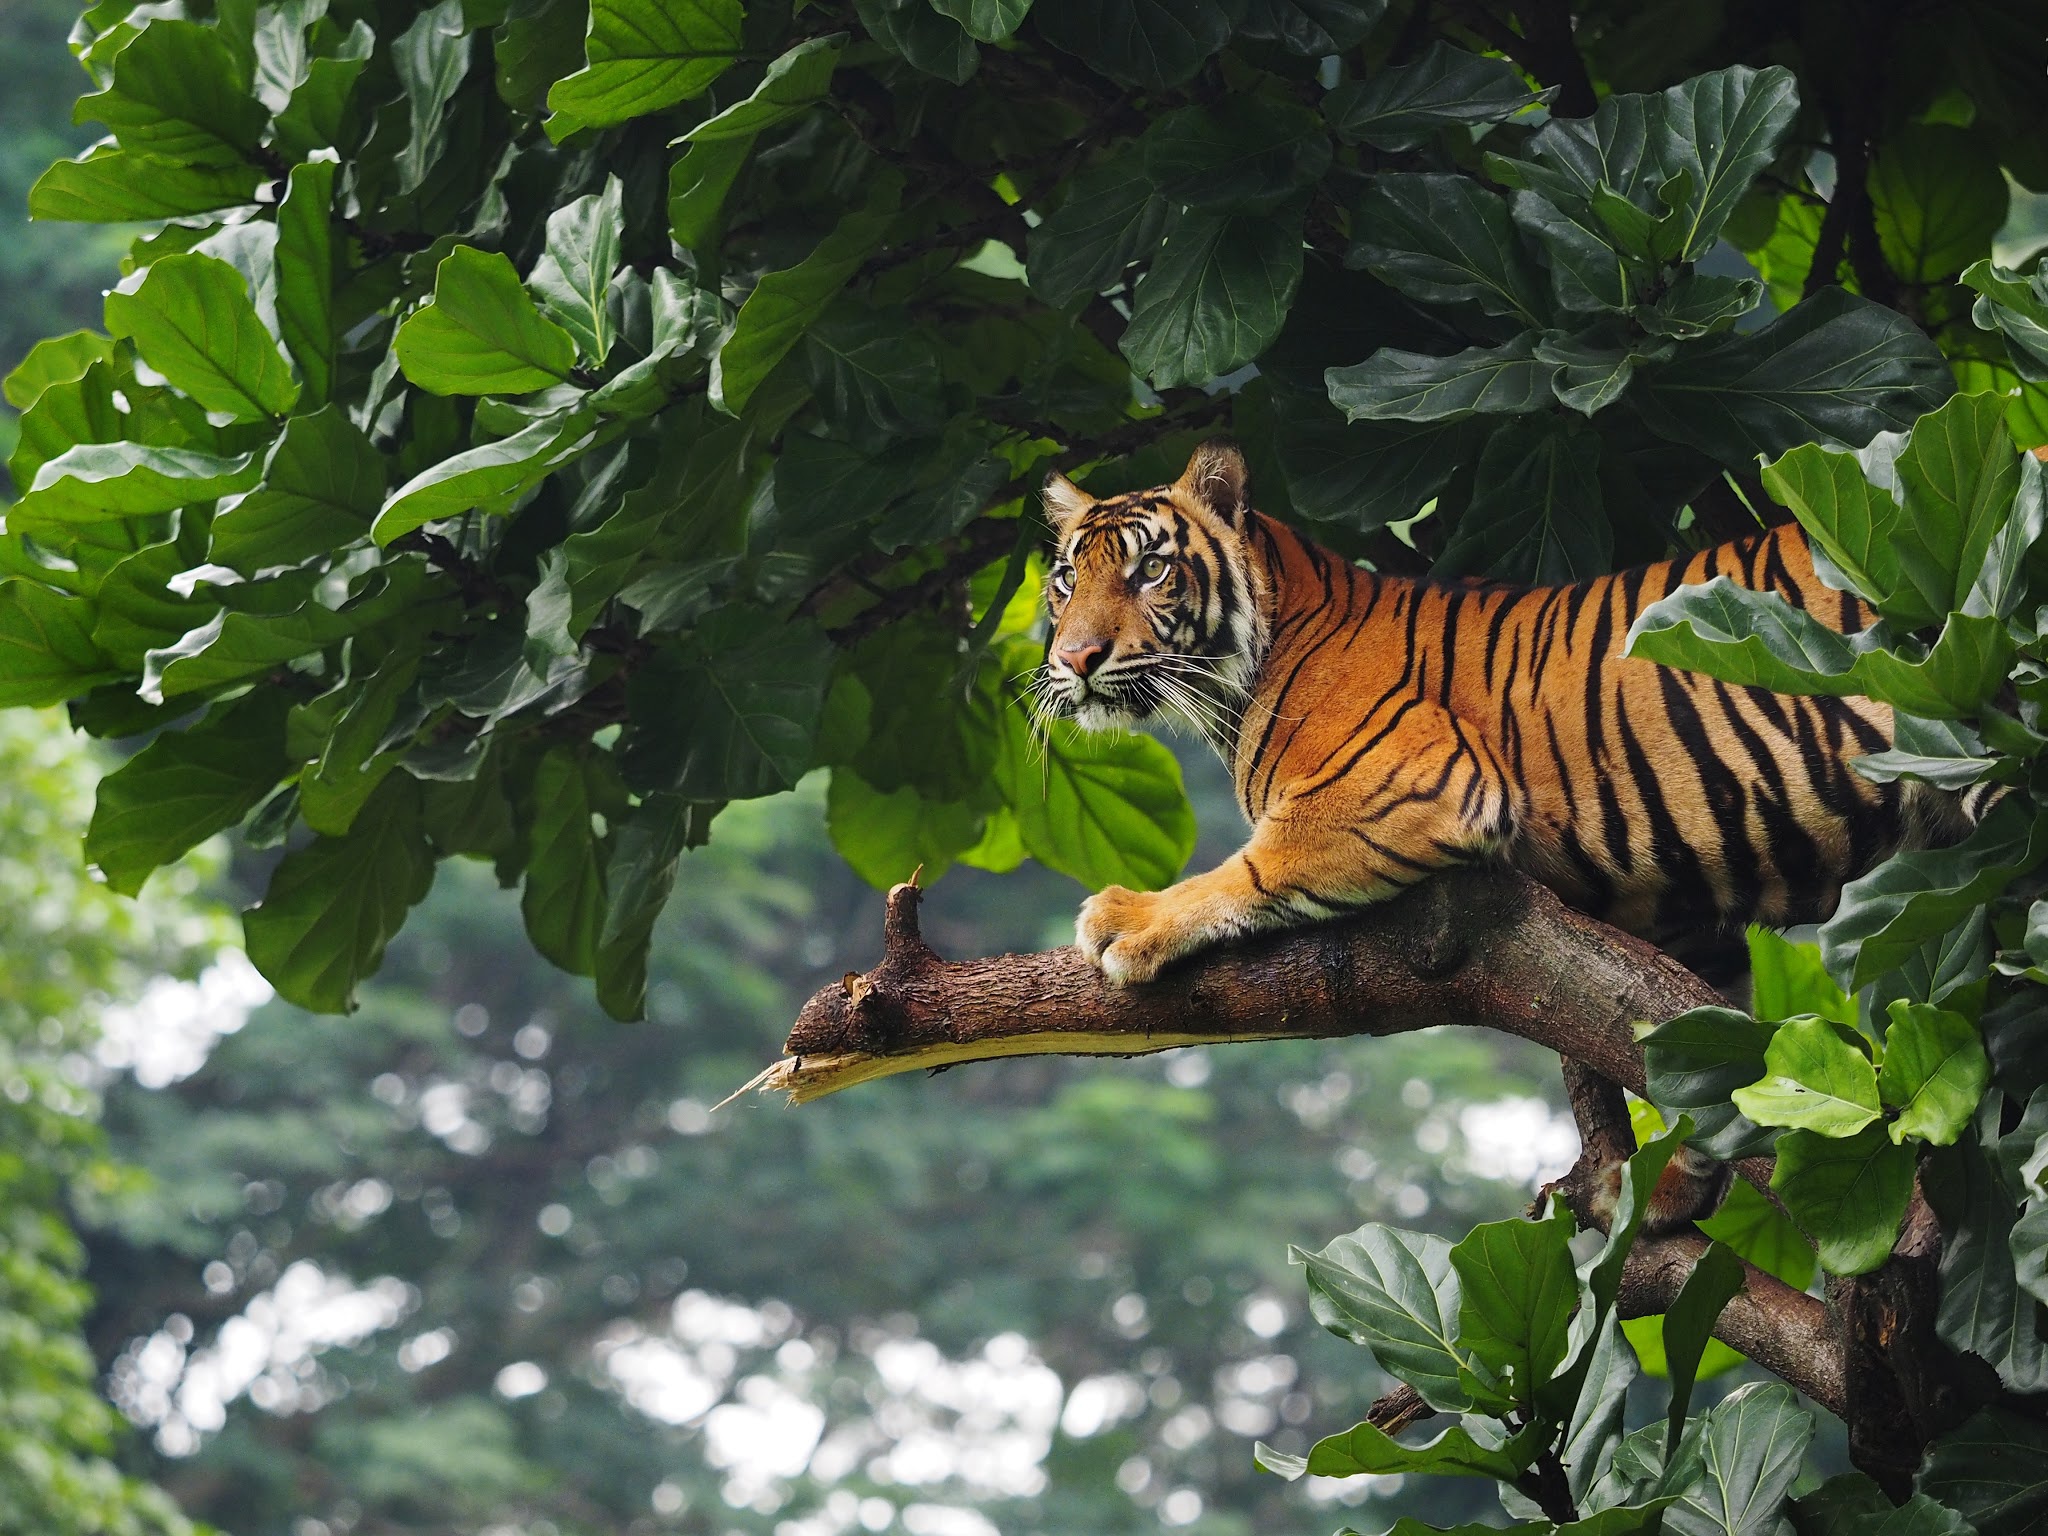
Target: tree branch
1478	948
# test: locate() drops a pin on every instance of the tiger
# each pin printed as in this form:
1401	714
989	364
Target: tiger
1380	728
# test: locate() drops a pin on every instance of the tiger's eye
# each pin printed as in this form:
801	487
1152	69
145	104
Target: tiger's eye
1152	567
1063	579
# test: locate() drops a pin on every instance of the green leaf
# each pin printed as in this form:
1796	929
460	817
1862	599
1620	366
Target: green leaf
1757	639
1367	474
1392	385
1937	197
1443	239
1311	29
643	56
1886	915
305	276
322	483
986	21
1757	1231
1536	514
1246	154
1405	107
564	898
1993	1471
180	94
1987	1308
921	37
1594	1429
1750	1446
47	653
719	146
2014	306
1848	1194
333	905
1454	1453
1602	1273
184	787
1935	1071
191	317
1215	297
1109	218
1696	1061
491	477
1788	978
1150	44
1941	752
747	702
54	360
113	186
574	274
361	746
482	334
1959	475
431	57
103	482
1395	1293
785	304
873	377
238	645
1517	1291
885	837
646	851
1719	131
315	117
1835	369
1689	1325
1106	810
1817	1082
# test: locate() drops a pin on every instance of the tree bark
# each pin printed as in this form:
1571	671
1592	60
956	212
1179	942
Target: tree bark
1479	948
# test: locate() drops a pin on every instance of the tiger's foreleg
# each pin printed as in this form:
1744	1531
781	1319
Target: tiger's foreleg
1327	844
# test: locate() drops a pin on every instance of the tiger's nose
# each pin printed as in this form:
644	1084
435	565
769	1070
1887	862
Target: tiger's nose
1082	658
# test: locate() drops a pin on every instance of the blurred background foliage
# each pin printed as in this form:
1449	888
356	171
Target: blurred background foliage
479	1258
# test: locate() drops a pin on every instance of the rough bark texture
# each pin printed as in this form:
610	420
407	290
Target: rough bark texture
1480	948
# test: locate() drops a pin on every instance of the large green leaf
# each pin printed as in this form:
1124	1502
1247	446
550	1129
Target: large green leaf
322	484
1150	44
482	334
1442	239
1719	131
1987	1309
316	116
1110	216
1244	155
1848	1194
987	21
1937	196
887	837
1107	810
785	304
1835	369
180	94
1689	1326
492	476
1817	1081
102	482
333	905
1405	107
1885	916
1215	297
1750	1225
1517	1290
701	177
1741	635
1454	1453
54	360
1363	475
1536	513
47	654
647	848
573	277
1935	1071
1696	1061
1750	1446
184	787
746	703
192	319
644	55
563	901
113	186
1994	1471
873	377
2013	305
305	276
1393	385
1396	1293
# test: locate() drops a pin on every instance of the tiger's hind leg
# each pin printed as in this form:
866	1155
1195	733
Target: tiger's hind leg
1332	841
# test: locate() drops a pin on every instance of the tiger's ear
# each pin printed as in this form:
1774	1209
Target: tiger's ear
1215	477
1064	503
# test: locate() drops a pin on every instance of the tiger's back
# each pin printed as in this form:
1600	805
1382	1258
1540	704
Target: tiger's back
1380	729
1666	802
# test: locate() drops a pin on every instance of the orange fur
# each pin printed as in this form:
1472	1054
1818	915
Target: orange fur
1379	729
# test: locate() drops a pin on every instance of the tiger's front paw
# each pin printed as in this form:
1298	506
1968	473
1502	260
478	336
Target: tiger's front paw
1127	934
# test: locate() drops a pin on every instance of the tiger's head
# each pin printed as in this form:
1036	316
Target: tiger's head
1156	604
